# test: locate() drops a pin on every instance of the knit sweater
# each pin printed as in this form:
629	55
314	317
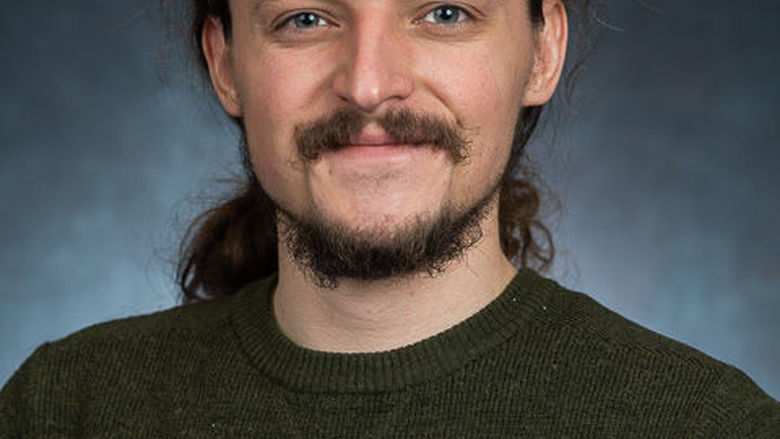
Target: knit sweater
538	362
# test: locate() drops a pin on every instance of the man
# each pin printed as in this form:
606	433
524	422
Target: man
362	284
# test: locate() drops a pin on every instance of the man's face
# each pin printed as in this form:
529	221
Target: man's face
290	63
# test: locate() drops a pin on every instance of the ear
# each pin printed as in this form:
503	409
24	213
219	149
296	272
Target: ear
217	53
549	54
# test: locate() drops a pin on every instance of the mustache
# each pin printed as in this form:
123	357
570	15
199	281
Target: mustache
333	132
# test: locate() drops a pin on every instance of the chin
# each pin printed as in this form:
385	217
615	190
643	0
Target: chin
388	229
377	212
381	246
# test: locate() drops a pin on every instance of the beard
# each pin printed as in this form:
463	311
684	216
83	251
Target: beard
327	251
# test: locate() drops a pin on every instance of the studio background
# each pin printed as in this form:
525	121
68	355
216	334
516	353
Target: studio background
667	167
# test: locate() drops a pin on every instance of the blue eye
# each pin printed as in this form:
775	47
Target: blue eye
306	20
446	14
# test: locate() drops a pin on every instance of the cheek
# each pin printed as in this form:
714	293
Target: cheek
271	93
276	93
484	93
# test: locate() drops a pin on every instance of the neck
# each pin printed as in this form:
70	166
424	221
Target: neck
374	316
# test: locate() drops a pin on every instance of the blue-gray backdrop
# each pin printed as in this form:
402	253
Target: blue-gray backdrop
666	166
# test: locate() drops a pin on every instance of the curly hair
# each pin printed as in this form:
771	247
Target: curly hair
235	241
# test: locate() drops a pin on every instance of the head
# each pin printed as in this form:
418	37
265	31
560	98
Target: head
315	87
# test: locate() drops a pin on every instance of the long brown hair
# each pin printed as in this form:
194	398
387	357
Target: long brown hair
235	241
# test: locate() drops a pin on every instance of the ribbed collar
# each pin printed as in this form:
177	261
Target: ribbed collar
315	371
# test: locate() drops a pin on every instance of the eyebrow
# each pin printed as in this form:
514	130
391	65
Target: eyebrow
256	9
257	4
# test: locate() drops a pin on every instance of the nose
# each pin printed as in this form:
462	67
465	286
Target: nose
375	65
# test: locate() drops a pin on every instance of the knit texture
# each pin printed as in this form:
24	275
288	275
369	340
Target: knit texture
538	362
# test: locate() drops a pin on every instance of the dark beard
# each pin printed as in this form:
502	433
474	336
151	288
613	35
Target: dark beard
327	251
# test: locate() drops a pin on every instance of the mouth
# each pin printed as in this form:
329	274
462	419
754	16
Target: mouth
383	153
397	130
373	136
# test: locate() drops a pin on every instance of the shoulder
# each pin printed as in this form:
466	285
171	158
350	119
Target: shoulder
120	363
134	337
606	331
645	369
189	325
196	322
156	337
200	321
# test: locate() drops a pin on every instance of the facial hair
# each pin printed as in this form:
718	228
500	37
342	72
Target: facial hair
327	251
334	132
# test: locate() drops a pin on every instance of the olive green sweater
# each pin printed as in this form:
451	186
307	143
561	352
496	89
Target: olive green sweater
537	362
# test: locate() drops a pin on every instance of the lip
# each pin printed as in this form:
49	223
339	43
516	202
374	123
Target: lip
369	140
375	151
373	136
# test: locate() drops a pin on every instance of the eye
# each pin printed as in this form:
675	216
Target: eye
446	14
304	20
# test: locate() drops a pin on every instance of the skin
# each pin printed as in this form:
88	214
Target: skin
376	55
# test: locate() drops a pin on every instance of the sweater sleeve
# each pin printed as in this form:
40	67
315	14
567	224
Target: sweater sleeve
738	408
37	400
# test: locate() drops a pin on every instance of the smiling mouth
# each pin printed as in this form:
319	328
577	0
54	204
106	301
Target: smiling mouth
374	151
374	143
373	136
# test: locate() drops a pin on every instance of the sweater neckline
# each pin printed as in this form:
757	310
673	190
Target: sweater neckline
296	367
